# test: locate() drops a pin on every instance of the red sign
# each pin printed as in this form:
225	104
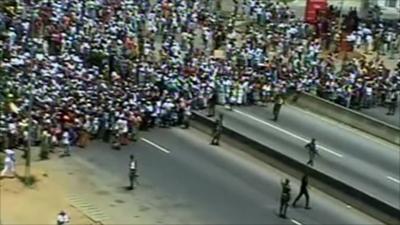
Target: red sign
313	9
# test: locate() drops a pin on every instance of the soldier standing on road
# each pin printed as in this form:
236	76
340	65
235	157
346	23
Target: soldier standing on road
186	116
132	172
217	130
212	101
277	106
285	198
312	151
392	102
303	191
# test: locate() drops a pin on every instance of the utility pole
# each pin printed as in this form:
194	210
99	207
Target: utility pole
29	138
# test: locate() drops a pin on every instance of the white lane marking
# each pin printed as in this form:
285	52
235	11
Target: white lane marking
296	222
156	145
393	179
346	127
286	132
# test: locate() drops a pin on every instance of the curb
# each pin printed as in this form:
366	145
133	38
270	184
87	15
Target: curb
89	210
349	117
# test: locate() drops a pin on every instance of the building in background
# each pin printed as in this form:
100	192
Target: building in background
390	8
388	3
313	9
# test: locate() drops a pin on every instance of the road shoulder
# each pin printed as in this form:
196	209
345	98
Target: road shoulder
39	204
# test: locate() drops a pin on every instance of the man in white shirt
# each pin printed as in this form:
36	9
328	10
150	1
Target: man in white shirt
9	163
66	143
62	218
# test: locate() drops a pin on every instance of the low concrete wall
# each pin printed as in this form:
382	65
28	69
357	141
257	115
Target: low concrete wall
336	188
347	116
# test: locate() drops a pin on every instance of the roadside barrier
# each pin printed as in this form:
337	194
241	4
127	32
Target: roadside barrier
346	116
334	187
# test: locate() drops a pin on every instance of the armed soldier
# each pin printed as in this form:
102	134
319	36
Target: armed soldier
217	130
277	106
132	172
312	151
303	191
285	198
212	101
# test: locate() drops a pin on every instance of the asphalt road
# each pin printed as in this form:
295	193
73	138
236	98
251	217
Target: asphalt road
358	159
184	180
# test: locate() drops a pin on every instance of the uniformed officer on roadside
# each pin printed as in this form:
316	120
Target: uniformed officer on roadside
285	198
312	151
217	130
277	106
303	191
132	172
212	101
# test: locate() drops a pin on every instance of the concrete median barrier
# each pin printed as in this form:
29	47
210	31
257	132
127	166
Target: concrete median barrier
346	116
330	185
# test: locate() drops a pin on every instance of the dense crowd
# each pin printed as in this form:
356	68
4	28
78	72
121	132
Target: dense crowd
108	68
308	57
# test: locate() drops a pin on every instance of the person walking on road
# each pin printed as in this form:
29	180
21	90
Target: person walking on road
217	131
303	191
277	106
132	172
285	198
312	151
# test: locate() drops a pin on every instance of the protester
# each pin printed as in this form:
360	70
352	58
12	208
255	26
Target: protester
9	163
63	218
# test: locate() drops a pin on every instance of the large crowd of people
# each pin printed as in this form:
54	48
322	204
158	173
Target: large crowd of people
108	68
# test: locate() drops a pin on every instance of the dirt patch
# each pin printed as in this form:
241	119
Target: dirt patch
37	205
